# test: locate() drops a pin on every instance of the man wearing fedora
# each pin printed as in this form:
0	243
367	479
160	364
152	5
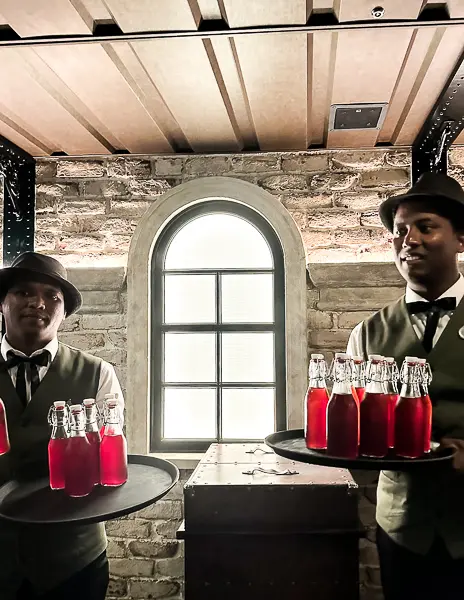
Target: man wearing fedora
420	516
46	562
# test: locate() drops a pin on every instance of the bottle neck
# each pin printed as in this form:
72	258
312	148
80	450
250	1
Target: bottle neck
59	432
342	378
77	425
342	387
91	418
317	382
113	422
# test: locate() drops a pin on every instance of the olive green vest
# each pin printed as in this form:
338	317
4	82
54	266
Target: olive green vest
45	555
413	508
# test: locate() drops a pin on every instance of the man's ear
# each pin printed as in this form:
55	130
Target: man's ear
460	239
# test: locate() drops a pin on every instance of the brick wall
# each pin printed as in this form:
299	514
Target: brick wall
87	211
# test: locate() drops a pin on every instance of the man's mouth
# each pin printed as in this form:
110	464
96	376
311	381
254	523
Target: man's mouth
412	258
34	316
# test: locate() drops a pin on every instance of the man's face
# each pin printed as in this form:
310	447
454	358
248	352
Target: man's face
425	243
33	309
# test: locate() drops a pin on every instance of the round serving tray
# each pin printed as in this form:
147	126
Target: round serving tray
291	444
32	502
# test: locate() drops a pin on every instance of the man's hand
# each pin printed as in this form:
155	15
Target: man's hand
458	460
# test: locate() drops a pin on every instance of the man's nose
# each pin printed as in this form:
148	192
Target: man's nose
36	300
411	238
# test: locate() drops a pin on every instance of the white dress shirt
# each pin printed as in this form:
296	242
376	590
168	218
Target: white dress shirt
419	320
108	383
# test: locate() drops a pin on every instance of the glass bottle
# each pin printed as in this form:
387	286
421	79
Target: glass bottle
342	411
374	411
58	419
4	437
425	373
359	377
113	447
93	435
316	402
409	412
391	385
78	457
105	399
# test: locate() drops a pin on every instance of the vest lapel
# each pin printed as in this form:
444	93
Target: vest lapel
449	338
13	405
399	332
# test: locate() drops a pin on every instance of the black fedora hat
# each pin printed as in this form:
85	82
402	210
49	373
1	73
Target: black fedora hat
445	192
32	265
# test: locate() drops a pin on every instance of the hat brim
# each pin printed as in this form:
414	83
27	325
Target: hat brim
72	296
388	206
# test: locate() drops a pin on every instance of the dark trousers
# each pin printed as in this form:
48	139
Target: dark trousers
409	576
89	584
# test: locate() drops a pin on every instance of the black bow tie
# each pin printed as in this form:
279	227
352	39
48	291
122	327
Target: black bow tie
434	306
14	360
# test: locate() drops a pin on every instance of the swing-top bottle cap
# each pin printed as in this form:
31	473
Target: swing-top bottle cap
375	357
59	404
317	357
358	359
75	408
109	396
111	402
343	355
411	359
88	402
422	361
389	359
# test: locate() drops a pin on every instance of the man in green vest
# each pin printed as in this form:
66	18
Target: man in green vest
46	562
420	516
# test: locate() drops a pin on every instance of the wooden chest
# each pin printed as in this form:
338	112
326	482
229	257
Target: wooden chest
260	526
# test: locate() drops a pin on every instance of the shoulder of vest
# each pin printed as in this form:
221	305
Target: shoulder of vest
75	353
384	314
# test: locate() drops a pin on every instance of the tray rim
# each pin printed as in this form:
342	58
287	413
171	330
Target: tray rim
142	459
360	463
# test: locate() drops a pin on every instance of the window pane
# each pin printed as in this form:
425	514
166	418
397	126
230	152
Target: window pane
247	413
190	299
247	357
190	413
189	357
247	298
218	241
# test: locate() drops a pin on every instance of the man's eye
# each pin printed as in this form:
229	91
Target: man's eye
400	232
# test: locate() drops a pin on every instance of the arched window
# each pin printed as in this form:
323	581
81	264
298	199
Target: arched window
216	311
218	329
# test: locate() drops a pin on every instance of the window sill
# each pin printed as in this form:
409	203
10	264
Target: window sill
182	460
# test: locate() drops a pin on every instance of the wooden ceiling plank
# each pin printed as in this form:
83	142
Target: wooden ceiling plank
226	55
359	138
246	13
90	73
97	10
407	79
322	80
14	136
41	110
32	18
456	9
459	141
274	69
361	10
181	71
155	15
361	77
444	57
38	69
132	69
210	9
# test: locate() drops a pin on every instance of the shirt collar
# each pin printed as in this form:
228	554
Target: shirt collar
455	291
6	347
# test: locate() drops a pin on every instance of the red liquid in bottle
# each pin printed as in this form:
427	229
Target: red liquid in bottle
427	421
56	462
316	418
113	460
360	391
78	476
342	426
4	439
373	426
392	400
409	427
94	440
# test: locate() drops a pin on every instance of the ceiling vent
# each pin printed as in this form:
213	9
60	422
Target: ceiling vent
357	116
